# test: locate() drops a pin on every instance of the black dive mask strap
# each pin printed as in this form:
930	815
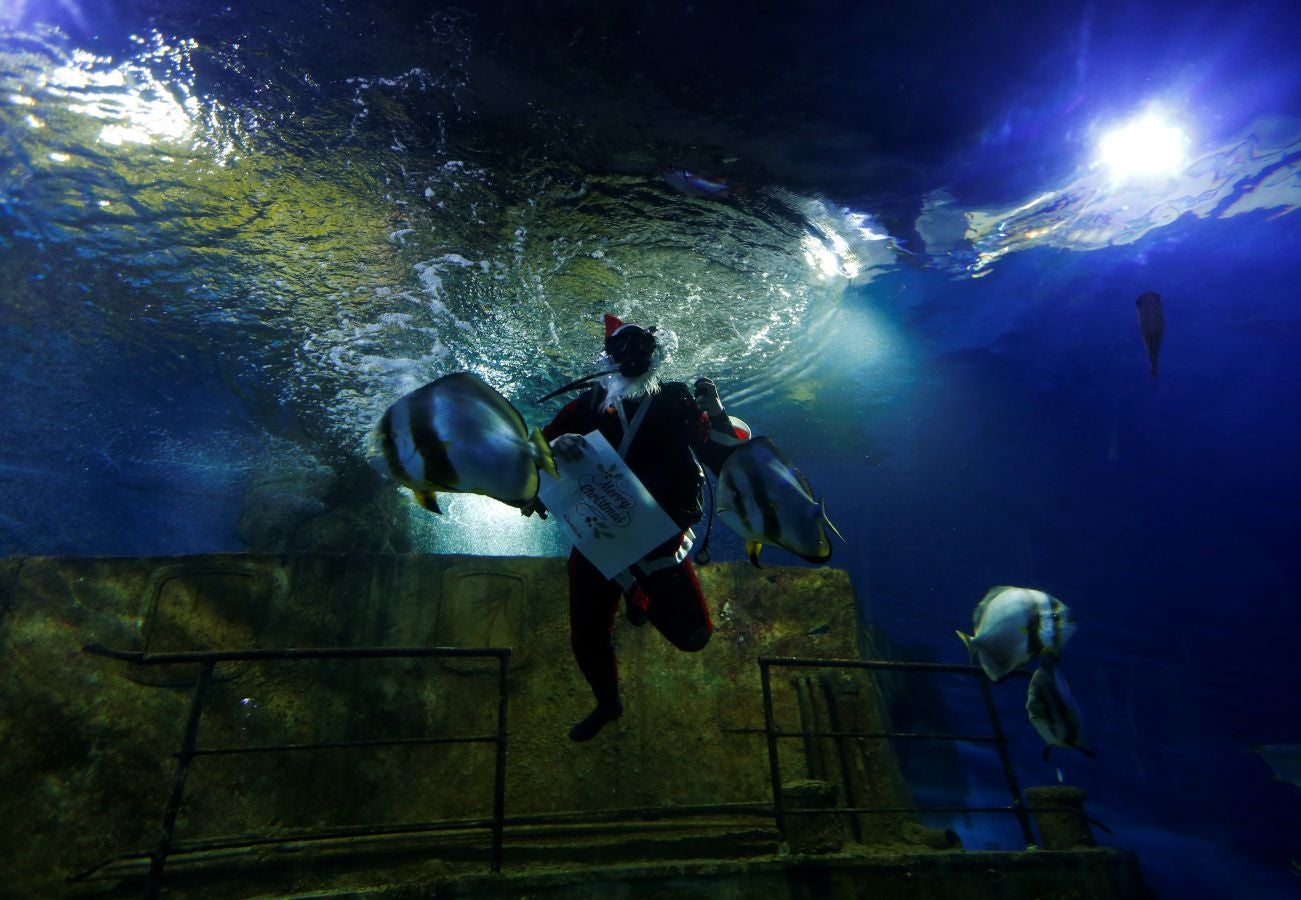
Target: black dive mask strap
579	382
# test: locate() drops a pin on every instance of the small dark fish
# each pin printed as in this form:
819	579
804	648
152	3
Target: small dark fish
1151	324
1053	711
820	630
459	435
765	500
694	185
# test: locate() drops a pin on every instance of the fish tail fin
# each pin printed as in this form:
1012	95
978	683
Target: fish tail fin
545	460
375	457
822	511
966	641
377	462
752	549
429	500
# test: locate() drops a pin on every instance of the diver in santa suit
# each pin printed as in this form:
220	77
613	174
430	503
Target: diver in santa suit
662	430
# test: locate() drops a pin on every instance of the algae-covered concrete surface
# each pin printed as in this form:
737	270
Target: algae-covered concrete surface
88	740
866	875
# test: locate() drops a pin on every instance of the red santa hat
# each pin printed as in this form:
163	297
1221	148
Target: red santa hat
612	324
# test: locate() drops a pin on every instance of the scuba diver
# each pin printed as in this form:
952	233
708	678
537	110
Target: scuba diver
663	431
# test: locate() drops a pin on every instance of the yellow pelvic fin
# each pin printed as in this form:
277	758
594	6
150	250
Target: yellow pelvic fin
429	500
752	549
546	461
966	640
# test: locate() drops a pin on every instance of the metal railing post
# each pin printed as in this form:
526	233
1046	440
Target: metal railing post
774	767
159	857
207	660
1001	743
773	734
499	790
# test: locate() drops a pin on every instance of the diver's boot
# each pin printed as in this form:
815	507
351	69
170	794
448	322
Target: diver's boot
635	602
606	711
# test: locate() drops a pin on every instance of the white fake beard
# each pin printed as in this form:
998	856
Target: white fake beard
619	387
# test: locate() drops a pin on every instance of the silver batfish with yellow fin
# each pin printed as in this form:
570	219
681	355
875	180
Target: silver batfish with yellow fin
1053	711
767	501
1013	625
459	435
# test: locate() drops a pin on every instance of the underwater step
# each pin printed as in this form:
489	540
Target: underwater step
862	874
857	873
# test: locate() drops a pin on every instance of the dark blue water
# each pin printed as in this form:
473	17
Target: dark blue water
231	235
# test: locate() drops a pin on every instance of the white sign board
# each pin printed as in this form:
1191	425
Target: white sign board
604	508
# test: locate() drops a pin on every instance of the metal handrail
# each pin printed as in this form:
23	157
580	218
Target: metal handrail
208	660
997	737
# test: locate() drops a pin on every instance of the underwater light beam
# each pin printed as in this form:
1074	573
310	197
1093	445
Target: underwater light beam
1145	147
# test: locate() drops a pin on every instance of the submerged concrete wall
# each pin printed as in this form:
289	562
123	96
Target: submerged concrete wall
87	766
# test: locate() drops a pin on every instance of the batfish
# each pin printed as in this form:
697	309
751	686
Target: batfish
1151	324
1013	625
459	435
767	501
1053	711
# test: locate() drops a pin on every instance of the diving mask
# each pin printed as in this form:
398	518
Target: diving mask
632	348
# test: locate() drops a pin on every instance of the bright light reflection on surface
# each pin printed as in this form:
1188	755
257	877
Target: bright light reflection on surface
136	106
1258	170
480	526
1145	147
842	243
825	260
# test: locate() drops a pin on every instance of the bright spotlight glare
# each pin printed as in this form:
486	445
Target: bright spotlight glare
1144	147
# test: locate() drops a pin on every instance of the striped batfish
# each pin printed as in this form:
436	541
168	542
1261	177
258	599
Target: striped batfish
766	501
1013	625
1053	711
458	435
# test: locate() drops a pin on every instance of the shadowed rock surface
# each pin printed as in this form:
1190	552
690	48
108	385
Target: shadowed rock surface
89	739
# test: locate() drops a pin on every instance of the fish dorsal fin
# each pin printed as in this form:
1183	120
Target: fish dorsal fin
822	511
979	612
471	383
803	482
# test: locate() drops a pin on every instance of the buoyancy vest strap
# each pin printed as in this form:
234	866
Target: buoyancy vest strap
647	566
630	428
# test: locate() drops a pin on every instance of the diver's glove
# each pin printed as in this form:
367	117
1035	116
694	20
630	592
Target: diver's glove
569	447
707	397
